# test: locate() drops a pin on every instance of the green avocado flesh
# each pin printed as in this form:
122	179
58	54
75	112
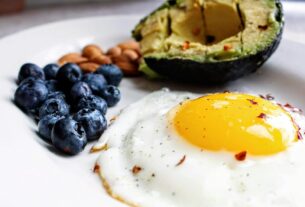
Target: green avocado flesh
207	32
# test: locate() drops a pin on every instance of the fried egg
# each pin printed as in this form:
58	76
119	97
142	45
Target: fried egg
177	149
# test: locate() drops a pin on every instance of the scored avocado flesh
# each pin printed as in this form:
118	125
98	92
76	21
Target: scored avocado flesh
209	30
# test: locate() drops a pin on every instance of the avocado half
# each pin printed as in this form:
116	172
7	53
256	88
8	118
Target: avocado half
209	41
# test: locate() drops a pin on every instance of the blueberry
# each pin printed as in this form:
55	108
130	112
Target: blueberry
112	73
80	90
93	121
68	74
92	102
52	85
111	94
30	70
50	71
96	82
68	136
31	80
31	95
46	124
56	94
52	106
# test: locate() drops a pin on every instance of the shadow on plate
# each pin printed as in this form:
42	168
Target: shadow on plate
48	145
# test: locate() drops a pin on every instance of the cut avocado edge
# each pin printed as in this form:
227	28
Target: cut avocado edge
151	74
170	45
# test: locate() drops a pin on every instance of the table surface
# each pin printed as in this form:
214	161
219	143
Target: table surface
294	15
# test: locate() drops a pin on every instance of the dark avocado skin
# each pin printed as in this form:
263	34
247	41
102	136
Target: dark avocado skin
215	72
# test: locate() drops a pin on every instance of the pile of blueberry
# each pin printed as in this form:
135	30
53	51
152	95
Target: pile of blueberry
70	106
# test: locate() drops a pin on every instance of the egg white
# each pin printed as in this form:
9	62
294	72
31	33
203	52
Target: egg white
175	173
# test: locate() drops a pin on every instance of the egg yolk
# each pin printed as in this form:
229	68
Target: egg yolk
235	122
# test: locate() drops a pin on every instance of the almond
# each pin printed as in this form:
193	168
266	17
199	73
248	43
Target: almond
130	54
114	51
72	58
129	68
89	67
102	59
91	51
131	44
121	58
139	52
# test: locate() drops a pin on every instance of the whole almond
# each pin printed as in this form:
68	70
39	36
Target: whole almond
114	51
91	51
130	44
102	59
121	58
89	67
130	54
138	51
128	67
72	58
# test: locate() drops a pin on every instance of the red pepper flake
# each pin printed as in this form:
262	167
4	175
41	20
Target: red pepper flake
294	109
186	45
96	168
136	169
288	105
252	101
241	156
300	137
196	31
262	27
262	116
181	160
227	47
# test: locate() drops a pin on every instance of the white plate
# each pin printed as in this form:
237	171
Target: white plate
32	174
